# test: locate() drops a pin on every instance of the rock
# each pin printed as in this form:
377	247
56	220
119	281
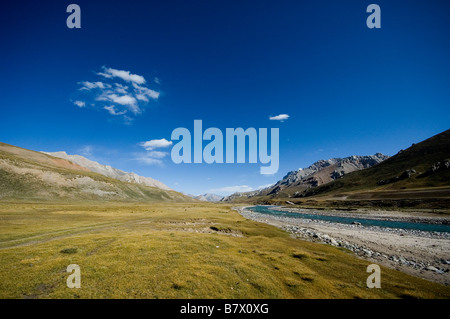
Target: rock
447	164
446	262
407	174
356	223
334	242
367	252
337	174
431	268
435	167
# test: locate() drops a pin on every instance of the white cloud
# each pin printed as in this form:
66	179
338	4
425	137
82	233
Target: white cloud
157	154
141	90
79	103
112	110
124	75
127	99
134	108
149	160
153	157
86	150
281	117
141	97
123	89
152	144
86	85
122	99
127	120
228	190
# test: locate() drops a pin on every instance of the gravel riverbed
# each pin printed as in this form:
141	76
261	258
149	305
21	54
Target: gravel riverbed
419	253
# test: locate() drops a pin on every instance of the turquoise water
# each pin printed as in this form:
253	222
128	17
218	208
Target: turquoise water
272	210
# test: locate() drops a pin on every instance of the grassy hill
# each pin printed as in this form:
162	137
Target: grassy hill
424	165
416	177
34	176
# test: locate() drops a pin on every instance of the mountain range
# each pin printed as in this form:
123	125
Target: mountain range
419	172
109	171
208	197
418	175
36	176
319	173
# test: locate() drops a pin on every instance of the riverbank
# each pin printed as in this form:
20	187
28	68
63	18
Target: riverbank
418	253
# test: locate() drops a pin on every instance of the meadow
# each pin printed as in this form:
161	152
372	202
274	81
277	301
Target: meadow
176	250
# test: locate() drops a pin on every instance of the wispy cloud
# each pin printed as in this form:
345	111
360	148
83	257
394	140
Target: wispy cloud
281	117
86	85
152	144
86	150
112	110
153	157
148	160
79	103
122	89
119	99
157	154
143	93
124	75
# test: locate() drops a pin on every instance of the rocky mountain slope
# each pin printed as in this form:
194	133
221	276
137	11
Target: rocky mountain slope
319	173
419	169
109	171
418	176
35	176
208	197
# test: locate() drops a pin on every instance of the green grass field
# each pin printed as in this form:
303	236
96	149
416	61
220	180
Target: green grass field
186	250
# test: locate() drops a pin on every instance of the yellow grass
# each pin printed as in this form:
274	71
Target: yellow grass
189	250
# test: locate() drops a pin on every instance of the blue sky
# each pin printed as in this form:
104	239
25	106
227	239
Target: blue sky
348	89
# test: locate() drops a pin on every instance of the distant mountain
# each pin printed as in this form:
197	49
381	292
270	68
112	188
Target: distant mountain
325	171
417	171
208	197
319	173
35	176
416	177
109	171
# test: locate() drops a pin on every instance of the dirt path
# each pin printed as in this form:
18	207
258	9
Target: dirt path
195	227
54	235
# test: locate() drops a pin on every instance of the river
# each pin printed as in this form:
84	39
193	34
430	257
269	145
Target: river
274	210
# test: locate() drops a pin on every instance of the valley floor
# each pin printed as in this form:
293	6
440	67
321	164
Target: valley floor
163	250
419	253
